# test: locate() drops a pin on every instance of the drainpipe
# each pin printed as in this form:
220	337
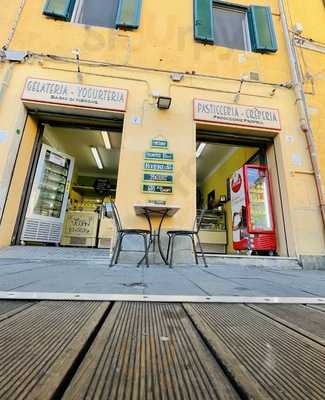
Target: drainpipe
303	109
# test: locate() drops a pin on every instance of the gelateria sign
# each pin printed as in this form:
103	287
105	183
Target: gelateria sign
234	114
74	94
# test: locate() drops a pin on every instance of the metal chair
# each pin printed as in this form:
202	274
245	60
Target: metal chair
122	233
190	233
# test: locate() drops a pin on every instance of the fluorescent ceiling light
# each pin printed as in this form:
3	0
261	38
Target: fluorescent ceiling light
106	139
96	157
200	149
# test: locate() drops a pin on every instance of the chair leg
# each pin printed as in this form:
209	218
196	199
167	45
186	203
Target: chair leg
203	256
171	251
194	249
115	250
168	248
147	247
119	249
146	251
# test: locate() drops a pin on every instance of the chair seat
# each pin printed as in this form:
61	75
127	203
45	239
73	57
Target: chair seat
135	231
180	232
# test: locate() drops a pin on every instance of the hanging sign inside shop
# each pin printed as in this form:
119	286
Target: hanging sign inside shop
153	155
158	178
234	114
158	166
157	189
74	94
102	185
159	143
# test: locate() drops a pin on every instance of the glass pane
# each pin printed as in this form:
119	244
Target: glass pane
52	185
259	197
229	27
98	12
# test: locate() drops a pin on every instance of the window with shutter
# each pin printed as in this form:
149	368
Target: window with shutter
203	21
234	26
60	9
261	29
109	13
128	14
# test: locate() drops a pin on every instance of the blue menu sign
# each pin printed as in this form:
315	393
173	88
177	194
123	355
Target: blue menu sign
158	178
159	143
157	189
158	166
155	155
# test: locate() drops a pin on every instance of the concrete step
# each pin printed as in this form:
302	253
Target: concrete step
254	261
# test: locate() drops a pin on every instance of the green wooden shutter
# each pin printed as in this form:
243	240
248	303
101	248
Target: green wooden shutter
128	14
60	9
203	21
262	29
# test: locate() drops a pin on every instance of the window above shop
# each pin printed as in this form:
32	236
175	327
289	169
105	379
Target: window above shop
231	27
234	26
123	14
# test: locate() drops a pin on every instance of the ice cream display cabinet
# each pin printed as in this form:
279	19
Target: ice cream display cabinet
49	196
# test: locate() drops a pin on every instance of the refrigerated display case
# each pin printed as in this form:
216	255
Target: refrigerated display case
252	212
213	233
49	196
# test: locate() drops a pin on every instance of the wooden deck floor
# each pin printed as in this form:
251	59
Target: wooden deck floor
130	350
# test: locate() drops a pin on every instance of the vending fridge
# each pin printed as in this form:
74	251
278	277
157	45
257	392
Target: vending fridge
252	212
49	196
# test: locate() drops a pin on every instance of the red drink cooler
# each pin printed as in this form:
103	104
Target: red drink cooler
252	210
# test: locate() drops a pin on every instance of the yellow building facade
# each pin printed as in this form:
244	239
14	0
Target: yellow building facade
60	70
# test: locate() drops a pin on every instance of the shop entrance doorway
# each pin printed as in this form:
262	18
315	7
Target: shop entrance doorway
234	185
72	178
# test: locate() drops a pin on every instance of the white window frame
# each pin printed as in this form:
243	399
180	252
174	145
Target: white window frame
245	26
77	12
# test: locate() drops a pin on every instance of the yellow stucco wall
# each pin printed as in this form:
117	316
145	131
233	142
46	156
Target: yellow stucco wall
163	43
312	65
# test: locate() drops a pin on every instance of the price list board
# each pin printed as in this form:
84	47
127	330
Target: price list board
158	176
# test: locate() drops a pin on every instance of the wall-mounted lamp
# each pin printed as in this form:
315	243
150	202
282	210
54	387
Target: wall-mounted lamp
164	103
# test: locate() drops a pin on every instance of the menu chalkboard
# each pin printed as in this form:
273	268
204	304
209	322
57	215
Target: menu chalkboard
158	178
158	166
157	189
155	155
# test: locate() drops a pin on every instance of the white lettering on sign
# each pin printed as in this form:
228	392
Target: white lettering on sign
233	114
73	94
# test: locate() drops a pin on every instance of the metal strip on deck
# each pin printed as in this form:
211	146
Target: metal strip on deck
39	345
307	321
149	351
265	358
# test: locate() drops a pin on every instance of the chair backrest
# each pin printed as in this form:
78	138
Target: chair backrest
116	217
198	221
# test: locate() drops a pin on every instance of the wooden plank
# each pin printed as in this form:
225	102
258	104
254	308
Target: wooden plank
8	308
149	351
302	319
265	358
39	346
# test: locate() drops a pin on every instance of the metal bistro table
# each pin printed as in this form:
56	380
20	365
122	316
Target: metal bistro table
152	210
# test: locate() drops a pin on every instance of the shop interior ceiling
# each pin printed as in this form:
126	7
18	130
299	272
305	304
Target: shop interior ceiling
78	142
213	157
